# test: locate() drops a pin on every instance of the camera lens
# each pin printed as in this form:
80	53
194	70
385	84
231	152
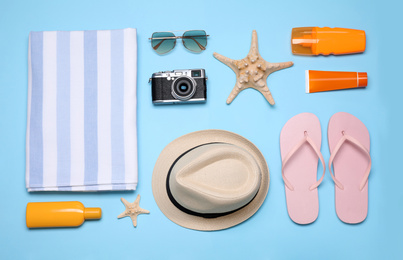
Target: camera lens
183	88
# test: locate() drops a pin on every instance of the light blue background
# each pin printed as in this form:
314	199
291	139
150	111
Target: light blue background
269	234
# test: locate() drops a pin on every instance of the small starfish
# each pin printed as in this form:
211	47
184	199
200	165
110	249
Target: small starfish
132	210
252	71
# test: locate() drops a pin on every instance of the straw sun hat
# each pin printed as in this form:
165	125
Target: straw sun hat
210	180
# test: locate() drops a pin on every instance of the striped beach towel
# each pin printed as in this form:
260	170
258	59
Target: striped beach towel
81	129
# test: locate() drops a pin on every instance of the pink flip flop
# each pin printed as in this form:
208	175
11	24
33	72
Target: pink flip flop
300	142
349	153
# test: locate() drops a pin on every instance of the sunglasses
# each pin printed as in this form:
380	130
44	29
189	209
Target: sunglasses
193	40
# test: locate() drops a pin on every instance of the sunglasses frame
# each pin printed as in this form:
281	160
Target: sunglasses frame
202	48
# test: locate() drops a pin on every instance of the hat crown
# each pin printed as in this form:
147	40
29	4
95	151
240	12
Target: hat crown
215	178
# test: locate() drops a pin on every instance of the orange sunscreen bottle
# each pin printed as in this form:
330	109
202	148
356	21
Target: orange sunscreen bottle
318	81
325	41
59	214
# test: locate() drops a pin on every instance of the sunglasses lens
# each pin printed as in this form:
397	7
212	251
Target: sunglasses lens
195	41
161	44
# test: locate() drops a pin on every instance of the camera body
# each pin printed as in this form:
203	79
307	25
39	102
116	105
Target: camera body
179	86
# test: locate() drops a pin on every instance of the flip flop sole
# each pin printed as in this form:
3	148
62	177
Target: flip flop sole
301	170
349	167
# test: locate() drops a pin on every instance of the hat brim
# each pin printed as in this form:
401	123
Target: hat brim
185	143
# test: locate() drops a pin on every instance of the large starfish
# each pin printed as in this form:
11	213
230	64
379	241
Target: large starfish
252	71
132	210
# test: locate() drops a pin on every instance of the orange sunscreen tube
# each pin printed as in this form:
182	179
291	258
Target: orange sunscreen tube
325	41
59	214
318	81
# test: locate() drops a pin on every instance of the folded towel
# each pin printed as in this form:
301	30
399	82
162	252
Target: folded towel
81	129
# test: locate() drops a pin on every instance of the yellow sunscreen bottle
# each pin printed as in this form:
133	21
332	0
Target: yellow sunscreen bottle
59	214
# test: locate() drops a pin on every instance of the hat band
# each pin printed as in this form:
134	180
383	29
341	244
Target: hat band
180	207
204	215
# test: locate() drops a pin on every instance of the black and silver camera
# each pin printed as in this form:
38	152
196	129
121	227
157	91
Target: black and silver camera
179	86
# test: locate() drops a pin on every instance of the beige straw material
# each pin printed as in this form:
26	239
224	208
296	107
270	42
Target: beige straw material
183	144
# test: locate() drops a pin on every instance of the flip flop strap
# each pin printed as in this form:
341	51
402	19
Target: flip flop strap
336	150
293	151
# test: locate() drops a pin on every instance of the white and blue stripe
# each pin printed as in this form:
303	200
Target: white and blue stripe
81	129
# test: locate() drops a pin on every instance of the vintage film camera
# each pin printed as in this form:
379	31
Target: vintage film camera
179	86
